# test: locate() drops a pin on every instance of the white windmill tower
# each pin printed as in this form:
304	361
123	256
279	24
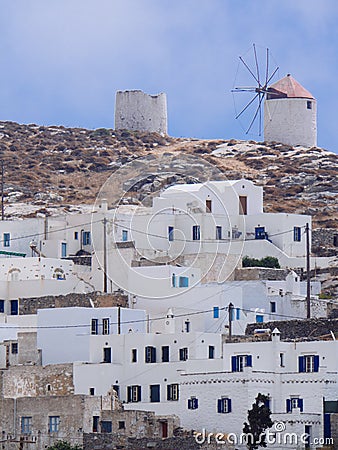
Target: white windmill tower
290	111
290	114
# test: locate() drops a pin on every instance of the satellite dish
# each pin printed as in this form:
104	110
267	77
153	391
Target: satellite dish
255	74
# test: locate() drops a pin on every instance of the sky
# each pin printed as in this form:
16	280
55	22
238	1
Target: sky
62	61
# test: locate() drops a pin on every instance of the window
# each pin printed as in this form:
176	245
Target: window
218	233
281	360
183	354
172	392
150	354
243	205
170	234
86	240
187	326
183	282
208	206
76	235
124	235
94	326
116	388
122	425
308	363
309	104
196	233
154	393
96	424
297	234
293	403
106	426
107	354
14	348
238	362
165	353
26	425
7	239
105	326
173	280
335	240
211	351
2	306
14	307
63	249
53	424
259	318
260	233
193	403
134	355
216	312
224	405
273	307
91	391
134	394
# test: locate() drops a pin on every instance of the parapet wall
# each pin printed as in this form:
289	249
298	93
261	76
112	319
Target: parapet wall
138	111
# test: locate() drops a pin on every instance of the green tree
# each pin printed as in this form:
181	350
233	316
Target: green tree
63	445
259	421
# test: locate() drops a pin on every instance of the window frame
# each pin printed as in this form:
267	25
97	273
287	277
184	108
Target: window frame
173	392
196	232
26	424
53	424
105	326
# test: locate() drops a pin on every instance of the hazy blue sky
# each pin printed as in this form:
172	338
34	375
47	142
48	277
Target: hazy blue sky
63	60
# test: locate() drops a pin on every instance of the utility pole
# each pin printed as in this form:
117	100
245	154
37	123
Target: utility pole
105	277
2	190
308	268
230	309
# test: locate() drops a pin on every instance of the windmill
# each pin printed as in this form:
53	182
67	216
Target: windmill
256	68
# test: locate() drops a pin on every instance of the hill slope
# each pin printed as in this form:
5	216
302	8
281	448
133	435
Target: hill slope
53	167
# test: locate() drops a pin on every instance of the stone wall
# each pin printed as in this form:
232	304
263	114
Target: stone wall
295	329
96	441
31	381
31	305
323	240
138	111
260	273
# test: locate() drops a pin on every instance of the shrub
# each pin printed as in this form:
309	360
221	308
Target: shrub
268	261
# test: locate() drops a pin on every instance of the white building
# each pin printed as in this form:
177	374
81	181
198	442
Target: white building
211	385
290	114
84	334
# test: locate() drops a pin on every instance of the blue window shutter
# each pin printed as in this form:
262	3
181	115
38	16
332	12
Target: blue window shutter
189	403
229	405
196	403
216	312
233	364
316	363
139	393
288	405
248	360
153	354
219	405
301	361
300	404
129	394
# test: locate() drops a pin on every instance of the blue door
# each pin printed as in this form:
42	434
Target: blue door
63	250
260	233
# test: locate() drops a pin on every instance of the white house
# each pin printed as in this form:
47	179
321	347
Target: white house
211	385
83	334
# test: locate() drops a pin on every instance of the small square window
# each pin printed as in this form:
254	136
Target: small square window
91	391
14	348
76	235
309	104
122	425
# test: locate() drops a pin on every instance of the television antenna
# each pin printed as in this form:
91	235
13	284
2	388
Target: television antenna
255	67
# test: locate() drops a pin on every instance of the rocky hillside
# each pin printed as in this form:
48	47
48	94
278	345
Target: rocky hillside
55	167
